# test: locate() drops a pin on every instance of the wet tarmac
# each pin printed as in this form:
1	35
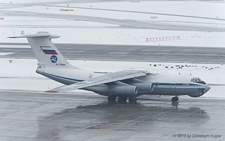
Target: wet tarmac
26	116
167	54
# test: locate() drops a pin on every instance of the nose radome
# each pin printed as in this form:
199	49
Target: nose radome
207	88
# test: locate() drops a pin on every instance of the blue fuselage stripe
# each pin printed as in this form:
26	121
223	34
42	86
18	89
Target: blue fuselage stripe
47	74
177	84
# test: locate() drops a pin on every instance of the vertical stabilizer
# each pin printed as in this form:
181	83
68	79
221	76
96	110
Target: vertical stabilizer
45	51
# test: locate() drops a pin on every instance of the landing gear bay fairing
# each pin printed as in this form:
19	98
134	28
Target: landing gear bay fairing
121	85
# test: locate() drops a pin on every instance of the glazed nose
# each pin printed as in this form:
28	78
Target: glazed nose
207	88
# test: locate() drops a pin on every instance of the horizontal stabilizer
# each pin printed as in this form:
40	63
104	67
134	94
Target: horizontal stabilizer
37	35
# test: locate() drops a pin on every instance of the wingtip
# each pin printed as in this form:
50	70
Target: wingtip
12	37
51	91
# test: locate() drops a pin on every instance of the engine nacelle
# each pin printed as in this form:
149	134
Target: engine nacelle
118	90
144	86
124	90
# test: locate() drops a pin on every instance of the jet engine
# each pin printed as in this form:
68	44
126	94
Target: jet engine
115	89
141	85
144	86
126	90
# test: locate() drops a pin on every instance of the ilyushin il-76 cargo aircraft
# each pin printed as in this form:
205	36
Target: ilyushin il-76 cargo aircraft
122	85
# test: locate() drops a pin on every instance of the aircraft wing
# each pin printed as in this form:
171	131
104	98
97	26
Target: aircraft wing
111	77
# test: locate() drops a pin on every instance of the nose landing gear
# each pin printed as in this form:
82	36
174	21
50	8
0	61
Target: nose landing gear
174	99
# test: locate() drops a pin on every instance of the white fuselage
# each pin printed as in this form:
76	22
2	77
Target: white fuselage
162	84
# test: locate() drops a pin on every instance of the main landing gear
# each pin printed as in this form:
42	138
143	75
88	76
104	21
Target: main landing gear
112	98
122	99
174	99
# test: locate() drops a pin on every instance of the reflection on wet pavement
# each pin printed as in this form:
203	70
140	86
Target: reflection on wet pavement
39	116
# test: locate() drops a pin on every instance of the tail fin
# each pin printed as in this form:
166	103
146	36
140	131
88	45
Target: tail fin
45	51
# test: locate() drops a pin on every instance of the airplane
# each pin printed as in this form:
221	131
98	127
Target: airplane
121	85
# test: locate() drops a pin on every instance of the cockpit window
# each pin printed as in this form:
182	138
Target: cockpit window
197	80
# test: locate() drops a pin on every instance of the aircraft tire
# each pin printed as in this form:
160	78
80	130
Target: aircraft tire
132	100
122	99
111	98
174	99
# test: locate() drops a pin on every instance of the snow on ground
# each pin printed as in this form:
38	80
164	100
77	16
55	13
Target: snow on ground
72	31
122	36
192	8
25	1
20	74
107	10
